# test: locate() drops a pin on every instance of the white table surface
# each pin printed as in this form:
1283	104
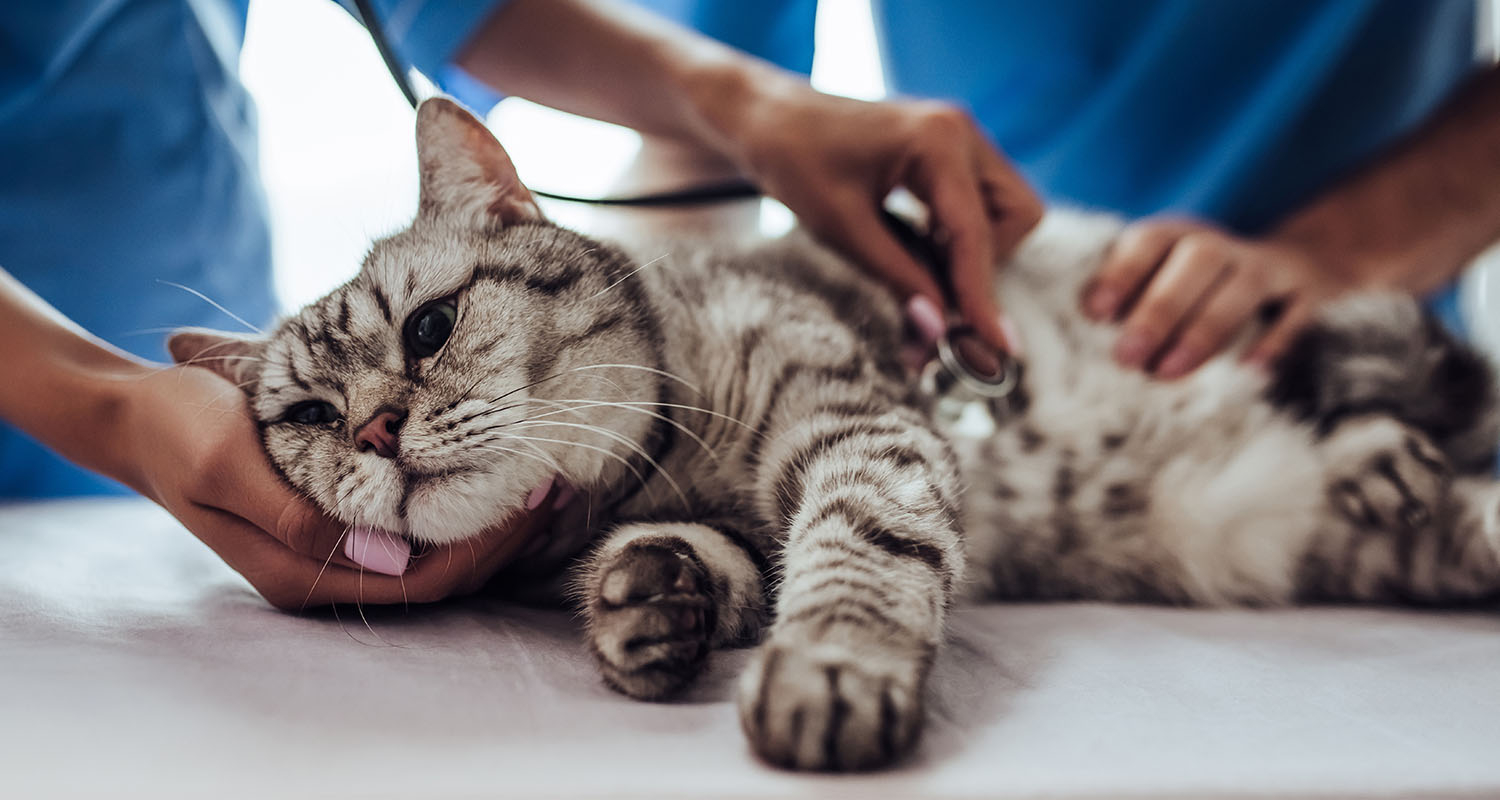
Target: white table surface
133	663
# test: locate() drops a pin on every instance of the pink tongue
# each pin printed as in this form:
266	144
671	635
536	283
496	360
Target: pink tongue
539	494
377	550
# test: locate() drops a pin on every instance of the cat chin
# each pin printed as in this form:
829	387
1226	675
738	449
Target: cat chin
462	507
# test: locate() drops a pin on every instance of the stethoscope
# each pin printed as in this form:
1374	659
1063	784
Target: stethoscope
966	369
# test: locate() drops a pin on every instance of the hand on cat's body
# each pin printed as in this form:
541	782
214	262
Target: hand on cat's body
198	455
1183	289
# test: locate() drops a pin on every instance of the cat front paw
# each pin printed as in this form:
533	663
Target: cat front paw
1385	475
827	706
650	618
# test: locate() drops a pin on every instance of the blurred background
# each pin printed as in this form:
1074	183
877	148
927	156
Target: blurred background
340	168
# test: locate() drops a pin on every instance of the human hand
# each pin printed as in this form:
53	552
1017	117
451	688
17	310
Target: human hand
833	161
198	454
1183	290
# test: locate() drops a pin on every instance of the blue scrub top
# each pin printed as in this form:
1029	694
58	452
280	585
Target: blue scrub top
1235	111
128	163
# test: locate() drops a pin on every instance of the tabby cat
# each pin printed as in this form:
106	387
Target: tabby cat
755	464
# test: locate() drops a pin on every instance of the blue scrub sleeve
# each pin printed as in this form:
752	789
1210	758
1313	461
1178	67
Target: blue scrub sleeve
427	34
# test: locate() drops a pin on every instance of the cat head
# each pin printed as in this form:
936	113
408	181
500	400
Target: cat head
478	353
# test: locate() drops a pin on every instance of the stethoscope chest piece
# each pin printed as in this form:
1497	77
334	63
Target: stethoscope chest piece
968	371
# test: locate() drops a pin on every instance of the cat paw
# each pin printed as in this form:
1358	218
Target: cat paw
826	706
650	618
1385	475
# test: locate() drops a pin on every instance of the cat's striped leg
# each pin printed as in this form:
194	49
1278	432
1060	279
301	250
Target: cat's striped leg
658	595
1405	530
871	554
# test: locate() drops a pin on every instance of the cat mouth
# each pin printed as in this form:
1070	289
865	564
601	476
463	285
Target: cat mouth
555	487
390	553
377	550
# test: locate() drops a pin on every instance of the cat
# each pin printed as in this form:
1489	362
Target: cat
756	465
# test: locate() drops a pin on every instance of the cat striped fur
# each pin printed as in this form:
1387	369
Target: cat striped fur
757	468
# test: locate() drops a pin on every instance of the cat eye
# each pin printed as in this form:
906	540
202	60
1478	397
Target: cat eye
429	328
312	412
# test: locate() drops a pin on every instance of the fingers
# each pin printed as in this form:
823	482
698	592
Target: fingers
1011	205
1184	280
1275	342
287	580
255	493
854	226
1229	305
1197	287
957	207
292	581
983	208
1132	261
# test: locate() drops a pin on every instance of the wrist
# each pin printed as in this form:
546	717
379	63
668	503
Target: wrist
725	98
1340	259
86	399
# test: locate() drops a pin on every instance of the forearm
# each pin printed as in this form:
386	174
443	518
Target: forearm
61	385
620	64
1413	218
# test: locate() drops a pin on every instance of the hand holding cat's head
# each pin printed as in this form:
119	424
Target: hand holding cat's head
477	354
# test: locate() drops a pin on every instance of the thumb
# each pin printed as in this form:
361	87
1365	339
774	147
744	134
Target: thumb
303	527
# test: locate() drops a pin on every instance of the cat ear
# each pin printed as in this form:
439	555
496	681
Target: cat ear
232	356
465	173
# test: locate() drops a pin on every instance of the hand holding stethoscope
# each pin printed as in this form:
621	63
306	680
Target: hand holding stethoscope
963	369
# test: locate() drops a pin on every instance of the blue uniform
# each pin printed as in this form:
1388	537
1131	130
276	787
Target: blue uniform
1235	111
128	163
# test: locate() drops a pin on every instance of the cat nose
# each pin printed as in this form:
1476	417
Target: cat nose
381	433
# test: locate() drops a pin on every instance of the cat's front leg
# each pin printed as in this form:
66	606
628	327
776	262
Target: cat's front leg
658	596
871	555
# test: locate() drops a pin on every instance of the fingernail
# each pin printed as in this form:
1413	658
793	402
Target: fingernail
377	550
1179	362
1101	302
1132	349
537	495
1012	337
926	317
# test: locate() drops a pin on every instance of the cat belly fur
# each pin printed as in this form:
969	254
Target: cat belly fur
1197	490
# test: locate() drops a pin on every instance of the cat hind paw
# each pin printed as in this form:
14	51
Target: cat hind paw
1386	476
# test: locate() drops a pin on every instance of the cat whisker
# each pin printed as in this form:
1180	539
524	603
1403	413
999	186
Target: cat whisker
652	370
628	275
526	386
554	376
635	448
699	409
584	405
602	431
538	455
324	568
194	361
205	298
607	452
488	411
